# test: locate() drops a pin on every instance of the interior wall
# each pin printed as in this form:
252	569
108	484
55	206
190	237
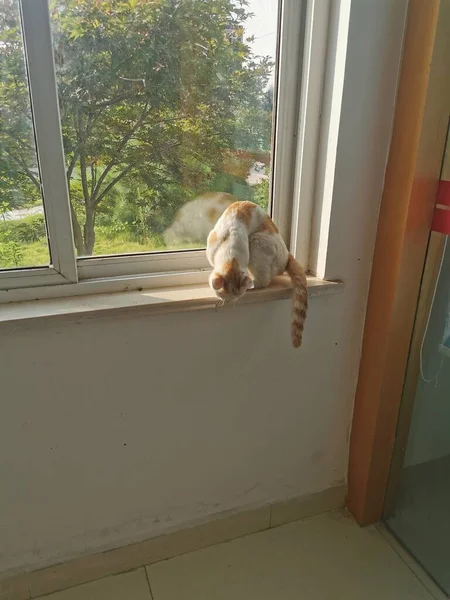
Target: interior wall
114	430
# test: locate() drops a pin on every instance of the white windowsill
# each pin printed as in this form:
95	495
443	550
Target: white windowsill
146	302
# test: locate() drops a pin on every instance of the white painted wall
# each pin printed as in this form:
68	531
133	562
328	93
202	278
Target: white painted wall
113	430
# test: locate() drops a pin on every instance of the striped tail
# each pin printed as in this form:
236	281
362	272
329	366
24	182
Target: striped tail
299	299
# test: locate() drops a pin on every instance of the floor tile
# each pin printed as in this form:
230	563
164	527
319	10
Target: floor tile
327	557
14	588
128	586
421	516
417	569
89	568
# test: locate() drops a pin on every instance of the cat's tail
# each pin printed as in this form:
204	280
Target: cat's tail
299	299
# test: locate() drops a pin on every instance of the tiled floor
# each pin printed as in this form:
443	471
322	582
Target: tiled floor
327	557
421	518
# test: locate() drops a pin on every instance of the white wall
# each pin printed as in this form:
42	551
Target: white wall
116	429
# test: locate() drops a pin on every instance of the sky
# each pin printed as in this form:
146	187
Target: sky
263	26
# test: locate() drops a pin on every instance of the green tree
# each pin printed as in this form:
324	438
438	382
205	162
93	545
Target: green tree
19	178
152	94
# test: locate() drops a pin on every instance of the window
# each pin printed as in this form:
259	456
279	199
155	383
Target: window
161	103
22	211
126	124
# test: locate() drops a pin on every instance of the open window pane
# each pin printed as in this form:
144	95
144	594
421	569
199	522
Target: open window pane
162	102
23	238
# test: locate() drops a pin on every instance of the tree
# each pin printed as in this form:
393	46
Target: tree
19	178
151	93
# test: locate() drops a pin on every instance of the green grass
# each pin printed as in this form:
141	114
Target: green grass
122	244
36	254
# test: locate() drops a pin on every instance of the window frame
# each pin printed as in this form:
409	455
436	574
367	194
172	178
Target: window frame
302	43
38	51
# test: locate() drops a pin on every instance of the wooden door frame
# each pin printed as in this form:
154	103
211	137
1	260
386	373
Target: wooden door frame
403	235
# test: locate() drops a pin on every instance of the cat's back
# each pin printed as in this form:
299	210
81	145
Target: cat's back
230	237
245	217
195	219
209	206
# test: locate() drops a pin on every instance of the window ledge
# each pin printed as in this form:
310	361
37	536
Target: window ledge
147	302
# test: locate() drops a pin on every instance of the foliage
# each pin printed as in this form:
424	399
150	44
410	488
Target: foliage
11	254
24	231
261	193
36	253
19	179
153	97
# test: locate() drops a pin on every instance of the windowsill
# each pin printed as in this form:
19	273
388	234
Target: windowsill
147	302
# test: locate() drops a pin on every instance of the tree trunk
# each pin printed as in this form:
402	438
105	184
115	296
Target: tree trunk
77	234
89	231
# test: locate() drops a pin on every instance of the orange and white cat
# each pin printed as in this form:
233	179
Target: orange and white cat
195	219
246	250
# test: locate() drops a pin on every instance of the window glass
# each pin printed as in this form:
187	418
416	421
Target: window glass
166	111
23	238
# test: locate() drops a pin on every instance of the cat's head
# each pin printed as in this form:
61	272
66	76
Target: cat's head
231	283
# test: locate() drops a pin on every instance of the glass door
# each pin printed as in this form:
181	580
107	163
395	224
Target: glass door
417	508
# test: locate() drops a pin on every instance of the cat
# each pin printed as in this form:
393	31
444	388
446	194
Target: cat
247	251
195	219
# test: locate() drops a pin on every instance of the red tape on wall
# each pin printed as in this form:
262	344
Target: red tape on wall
441	218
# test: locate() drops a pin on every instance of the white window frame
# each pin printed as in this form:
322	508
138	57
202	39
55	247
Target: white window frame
303	34
42	83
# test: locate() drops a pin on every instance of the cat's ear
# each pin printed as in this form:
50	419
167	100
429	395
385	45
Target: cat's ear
248	283
217	282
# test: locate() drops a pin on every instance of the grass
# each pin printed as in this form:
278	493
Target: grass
36	254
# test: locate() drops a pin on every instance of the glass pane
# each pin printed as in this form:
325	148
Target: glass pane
421	516
23	239
166	111
419	511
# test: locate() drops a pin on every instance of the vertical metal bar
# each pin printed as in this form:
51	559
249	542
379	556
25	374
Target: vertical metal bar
310	110
44	99
288	85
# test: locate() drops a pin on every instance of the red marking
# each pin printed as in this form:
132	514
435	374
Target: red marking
443	195
441	218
